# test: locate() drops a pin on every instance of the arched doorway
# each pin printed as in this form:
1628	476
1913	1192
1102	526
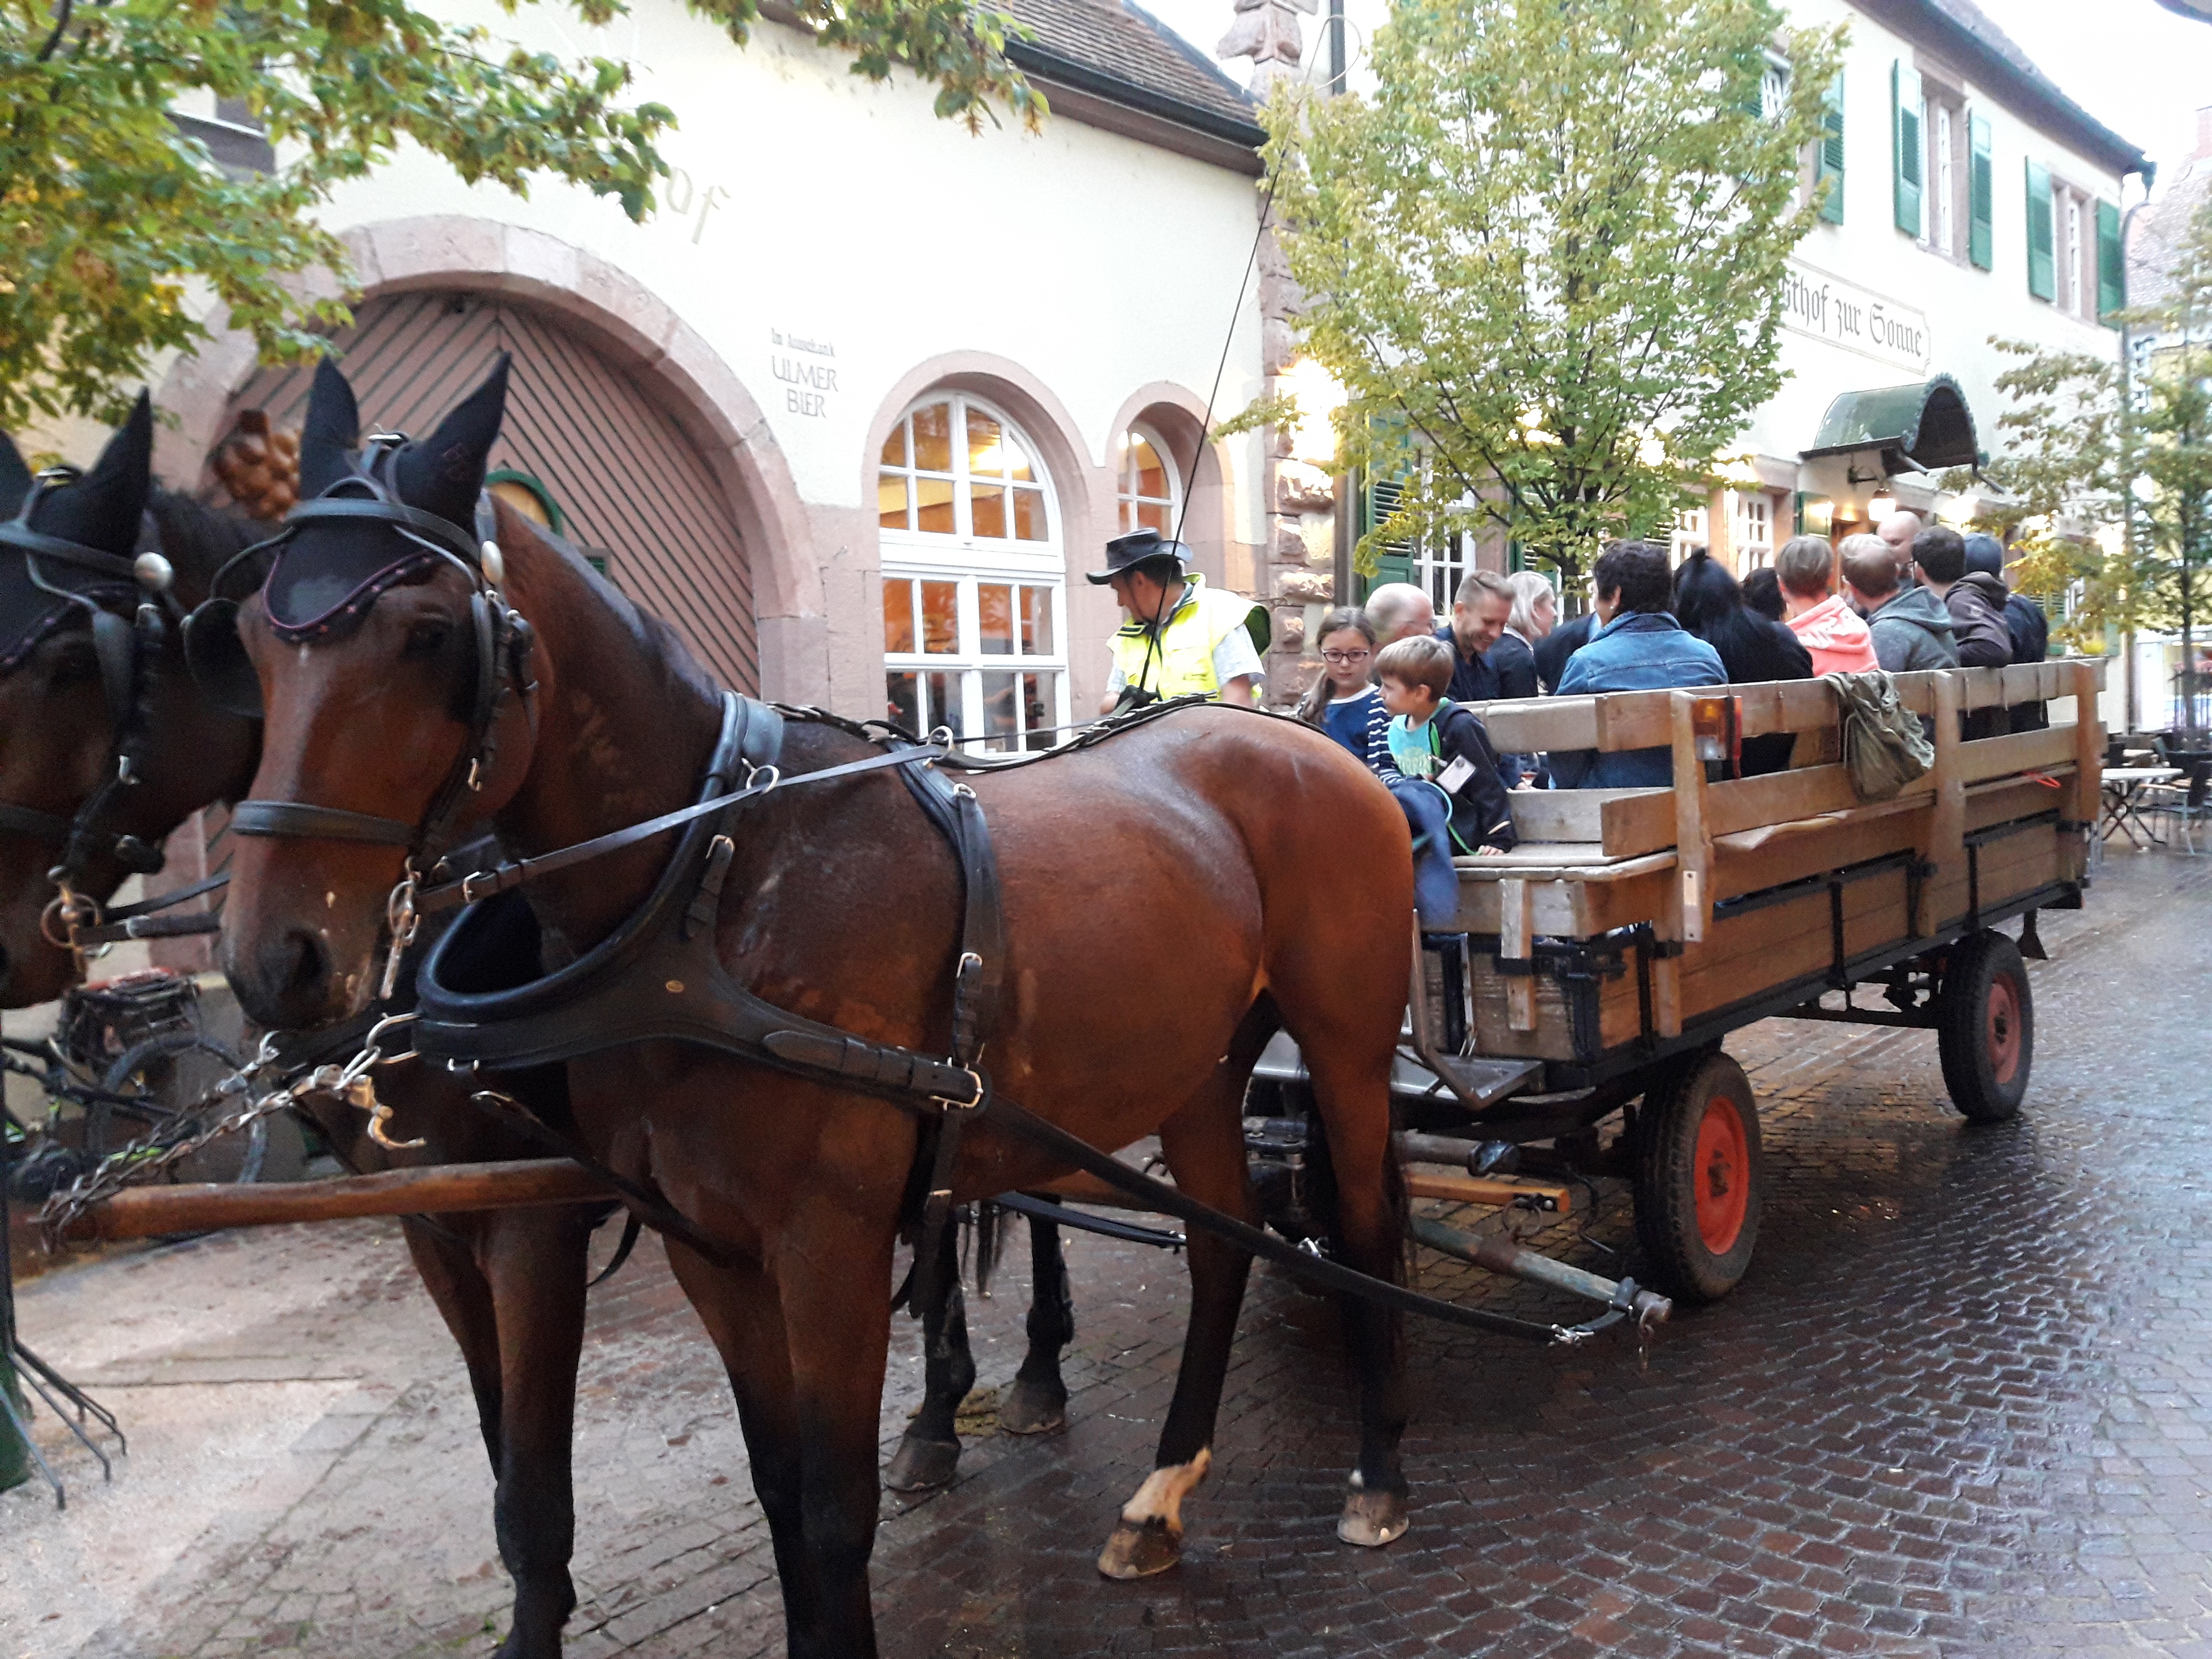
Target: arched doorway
630	488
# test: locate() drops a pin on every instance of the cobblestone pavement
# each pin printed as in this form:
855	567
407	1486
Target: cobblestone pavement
1960	1406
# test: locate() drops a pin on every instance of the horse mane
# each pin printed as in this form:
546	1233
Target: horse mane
197	539
680	670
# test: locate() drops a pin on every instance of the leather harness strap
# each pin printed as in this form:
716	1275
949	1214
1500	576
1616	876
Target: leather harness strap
303	818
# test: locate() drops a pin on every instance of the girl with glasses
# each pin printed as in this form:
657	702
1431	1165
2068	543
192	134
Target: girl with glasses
1344	702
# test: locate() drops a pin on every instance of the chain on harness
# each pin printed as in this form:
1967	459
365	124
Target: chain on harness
149	1156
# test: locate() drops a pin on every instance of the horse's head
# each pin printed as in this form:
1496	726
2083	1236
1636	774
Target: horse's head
104	747
387	663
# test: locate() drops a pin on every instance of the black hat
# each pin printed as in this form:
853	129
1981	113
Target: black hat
1137	549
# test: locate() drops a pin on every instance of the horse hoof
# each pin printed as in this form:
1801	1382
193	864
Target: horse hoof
1140	1549
922	1465
1032	1408
1372	1519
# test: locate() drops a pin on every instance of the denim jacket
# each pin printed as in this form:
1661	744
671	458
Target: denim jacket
1638	650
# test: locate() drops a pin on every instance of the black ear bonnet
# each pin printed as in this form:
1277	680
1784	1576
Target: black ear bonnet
369	519
69	547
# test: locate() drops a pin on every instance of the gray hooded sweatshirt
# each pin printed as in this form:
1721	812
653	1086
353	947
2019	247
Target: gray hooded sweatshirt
1913	631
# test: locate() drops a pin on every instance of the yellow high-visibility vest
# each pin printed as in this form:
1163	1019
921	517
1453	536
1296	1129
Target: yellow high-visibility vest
1182	661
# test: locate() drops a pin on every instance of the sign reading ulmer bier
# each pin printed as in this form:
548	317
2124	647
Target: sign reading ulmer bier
1857	318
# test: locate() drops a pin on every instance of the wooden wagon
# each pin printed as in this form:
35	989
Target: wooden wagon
1606	957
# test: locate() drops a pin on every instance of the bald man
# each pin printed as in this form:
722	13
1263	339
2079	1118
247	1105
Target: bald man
1399	610
1898	530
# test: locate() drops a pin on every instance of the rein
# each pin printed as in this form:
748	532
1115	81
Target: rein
658	977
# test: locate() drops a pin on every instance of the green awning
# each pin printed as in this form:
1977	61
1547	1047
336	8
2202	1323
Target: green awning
1924	426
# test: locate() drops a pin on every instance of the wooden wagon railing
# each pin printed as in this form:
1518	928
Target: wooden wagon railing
1684	861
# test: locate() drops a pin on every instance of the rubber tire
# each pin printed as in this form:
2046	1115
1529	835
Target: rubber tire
1667	1130
1987	966
237	1159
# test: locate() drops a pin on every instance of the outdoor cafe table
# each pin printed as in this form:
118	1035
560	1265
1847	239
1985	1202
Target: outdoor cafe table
2124	798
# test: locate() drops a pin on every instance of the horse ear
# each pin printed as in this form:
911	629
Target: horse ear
15	476
104	509
331	434
444	473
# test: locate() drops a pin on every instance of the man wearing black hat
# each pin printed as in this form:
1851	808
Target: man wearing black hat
1182	637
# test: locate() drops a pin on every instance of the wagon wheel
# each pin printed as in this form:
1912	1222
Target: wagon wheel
1699	1179
1985	1028
155	1083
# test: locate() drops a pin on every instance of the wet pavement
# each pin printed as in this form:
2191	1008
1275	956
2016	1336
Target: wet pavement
1962	1405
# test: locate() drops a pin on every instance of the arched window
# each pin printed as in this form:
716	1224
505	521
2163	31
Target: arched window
1145	480
974	590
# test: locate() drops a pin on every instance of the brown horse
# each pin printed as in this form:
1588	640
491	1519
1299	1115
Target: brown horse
1171	897
508	1283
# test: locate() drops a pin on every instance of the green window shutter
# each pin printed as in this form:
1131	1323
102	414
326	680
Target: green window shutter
1828	168
2042	265
1981	193
1394	561
2111	266
1907	152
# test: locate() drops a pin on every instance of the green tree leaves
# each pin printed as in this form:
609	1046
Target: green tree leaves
1545	256
109	212
2072	460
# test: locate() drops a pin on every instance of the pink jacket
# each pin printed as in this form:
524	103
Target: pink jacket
1838	641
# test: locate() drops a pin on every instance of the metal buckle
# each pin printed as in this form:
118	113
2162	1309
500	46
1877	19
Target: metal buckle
401	919
973	1100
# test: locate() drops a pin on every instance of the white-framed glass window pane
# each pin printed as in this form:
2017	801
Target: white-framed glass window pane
2071	255
1751	529
1774	89
1440	565
1939	131
1147	484
1690	531
974	579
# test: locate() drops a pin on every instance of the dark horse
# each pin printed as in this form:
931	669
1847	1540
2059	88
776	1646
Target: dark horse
509	1283
1171	897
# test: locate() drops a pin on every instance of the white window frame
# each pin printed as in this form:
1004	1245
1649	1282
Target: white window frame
2070	295
1126	501
1774	87
1440	564
969	560
1748	550
1692	529
1944	176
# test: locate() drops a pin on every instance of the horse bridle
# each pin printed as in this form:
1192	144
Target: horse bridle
128	652
504	638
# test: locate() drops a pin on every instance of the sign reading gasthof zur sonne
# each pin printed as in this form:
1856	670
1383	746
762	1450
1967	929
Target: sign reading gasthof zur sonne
1858	319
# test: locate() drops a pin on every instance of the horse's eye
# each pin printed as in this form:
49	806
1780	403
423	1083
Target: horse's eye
74	664
425	637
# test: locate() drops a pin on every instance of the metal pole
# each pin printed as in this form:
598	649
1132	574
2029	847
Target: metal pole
2130	712
14	1447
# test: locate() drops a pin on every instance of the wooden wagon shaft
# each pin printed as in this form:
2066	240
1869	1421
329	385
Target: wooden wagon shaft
446	1188
435	1189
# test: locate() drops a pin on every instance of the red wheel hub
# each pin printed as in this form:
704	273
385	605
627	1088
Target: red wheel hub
2003	1029
1722	1175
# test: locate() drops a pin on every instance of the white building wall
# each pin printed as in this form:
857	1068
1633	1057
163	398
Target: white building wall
812	205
